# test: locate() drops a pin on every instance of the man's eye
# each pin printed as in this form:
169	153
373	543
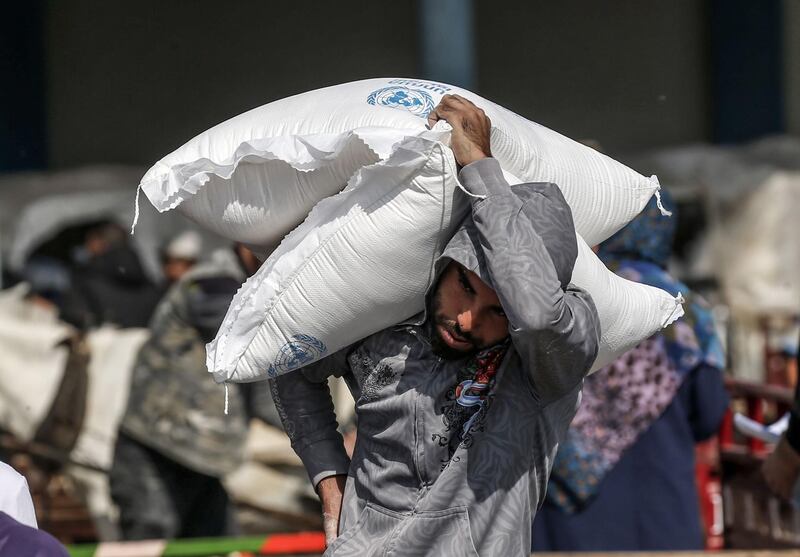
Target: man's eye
500	312
464	282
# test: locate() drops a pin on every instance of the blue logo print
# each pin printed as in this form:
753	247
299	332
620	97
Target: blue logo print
301	350
417	102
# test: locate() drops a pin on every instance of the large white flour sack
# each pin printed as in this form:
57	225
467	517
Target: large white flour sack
256	176
361	262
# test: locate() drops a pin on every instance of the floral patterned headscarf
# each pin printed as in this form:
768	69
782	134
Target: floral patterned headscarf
624	398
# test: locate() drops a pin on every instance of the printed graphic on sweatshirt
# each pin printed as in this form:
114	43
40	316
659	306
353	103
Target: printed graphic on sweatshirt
467	402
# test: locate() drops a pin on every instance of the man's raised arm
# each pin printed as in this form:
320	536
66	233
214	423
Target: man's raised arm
553	325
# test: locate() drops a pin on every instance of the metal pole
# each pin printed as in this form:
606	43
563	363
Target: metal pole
447	41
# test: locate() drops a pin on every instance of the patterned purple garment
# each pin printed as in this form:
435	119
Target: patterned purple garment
635	390
619	403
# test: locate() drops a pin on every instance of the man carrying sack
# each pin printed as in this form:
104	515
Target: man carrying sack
460	409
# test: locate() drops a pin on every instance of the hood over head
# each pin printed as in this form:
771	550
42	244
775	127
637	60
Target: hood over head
465	245
121	265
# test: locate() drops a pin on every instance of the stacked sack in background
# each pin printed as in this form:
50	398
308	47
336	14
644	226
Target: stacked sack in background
376	197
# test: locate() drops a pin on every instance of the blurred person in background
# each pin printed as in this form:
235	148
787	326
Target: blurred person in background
180	254
781	469
624	479
48	281
175	443
108	282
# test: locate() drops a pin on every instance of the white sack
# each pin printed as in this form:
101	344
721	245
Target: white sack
355	266
113	354
360	263
256	176
629	311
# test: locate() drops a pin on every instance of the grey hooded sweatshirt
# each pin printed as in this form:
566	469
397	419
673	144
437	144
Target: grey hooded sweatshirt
421	482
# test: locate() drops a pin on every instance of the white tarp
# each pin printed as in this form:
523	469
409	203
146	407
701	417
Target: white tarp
32	361
758	249
113	354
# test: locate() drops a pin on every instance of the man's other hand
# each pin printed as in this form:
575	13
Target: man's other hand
331	492
471	128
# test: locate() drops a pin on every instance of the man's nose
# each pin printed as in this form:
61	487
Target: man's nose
465	321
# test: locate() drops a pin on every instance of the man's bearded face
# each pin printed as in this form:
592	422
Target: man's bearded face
467	314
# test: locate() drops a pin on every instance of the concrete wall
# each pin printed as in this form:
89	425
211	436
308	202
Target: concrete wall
628	73
130	80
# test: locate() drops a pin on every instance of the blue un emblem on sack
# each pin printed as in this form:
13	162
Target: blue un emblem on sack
416	101
301	350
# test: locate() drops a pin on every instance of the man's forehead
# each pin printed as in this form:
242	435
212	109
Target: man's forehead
475	281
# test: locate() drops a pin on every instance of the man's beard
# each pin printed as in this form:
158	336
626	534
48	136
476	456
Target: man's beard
438	345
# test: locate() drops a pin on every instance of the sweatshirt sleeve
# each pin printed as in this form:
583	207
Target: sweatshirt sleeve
553	325
305	407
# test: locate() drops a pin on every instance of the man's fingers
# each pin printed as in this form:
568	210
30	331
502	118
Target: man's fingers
452	106
457	101
470	140
468	104
433	117
442	112
452	103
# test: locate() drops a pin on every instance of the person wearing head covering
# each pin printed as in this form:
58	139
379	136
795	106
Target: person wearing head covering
460	409
175	444
180	255
108	283
624	479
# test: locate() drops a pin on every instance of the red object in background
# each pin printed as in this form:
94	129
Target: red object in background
302	542
728	466
753	517
709	491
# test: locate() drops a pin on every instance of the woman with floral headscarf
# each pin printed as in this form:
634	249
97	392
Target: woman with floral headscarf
624	477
